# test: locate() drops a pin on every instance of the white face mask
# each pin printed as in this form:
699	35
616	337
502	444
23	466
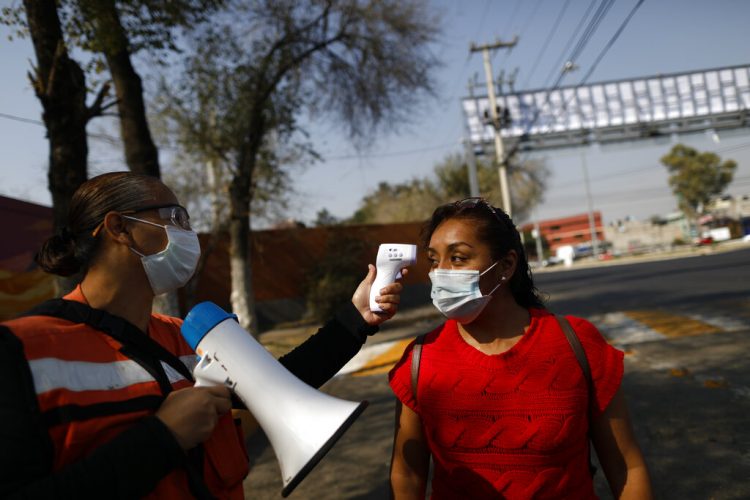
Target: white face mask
171	268
456	293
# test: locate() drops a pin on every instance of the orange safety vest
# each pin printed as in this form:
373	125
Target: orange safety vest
89	391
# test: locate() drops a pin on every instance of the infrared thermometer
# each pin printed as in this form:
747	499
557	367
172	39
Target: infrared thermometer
391	259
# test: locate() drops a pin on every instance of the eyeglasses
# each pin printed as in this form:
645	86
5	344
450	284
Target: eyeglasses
477	201
176	214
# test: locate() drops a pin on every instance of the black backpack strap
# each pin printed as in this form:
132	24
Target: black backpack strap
142	349
575	344
416	357
580	354
135	344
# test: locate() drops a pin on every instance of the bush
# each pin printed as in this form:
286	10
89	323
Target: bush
332	281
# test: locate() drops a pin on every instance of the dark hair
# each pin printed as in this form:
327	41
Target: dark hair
71	249
496	229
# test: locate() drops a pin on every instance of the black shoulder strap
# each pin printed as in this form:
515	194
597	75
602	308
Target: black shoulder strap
140	348
136	345
575	344
416	356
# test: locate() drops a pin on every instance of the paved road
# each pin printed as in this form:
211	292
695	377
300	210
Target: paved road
685	327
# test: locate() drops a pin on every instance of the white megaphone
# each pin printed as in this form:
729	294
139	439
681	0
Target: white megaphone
301	422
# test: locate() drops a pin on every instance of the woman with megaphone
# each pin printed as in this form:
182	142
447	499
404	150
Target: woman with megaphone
96	392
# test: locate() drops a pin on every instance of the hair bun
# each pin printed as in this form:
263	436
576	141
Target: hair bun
66	234
58	254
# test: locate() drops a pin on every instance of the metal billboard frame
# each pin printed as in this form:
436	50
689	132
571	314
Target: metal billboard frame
616	110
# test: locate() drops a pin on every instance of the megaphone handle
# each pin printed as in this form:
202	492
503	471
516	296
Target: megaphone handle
209	373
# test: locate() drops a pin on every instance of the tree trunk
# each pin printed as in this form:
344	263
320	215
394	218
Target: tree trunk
141	154
242	296
60	85
241	195
216	228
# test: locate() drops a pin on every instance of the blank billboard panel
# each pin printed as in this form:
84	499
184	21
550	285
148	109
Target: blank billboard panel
626	103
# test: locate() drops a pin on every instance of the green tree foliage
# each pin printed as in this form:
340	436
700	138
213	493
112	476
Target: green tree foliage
325	218
416	199
392	203
260	64
696	177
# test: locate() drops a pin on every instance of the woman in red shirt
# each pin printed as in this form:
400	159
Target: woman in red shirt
499	400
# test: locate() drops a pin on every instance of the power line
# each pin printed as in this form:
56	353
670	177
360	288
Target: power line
395	153
598	59
591	28
558	64
103	137
612	41
630	170
582	42
547	42
512	17
530	18
20	119
111	139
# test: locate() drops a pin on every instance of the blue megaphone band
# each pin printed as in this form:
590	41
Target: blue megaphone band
200	320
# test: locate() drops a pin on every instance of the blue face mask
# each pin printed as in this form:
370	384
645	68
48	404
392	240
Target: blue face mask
456	293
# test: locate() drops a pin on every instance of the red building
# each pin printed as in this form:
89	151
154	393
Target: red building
573	230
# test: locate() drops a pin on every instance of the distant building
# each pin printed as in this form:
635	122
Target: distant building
732	212
573	230
735	207
629	236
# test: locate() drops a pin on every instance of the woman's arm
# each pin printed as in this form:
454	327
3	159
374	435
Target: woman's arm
410	462
322	355
619	453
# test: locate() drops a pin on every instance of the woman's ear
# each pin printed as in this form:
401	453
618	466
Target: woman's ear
508	264
117	229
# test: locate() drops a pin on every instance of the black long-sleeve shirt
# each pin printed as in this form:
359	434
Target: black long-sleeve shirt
131	464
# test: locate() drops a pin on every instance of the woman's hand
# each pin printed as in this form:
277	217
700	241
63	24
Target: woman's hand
192	413
389	298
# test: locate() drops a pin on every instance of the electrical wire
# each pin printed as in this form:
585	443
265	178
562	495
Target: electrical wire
102	137
512	17
394	153
558	64
612	41
598	59
523	29
546	43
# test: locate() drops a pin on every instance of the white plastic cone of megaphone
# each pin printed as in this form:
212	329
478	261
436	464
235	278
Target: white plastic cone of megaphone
301	423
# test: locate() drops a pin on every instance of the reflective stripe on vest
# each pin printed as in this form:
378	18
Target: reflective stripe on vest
89	391
53	373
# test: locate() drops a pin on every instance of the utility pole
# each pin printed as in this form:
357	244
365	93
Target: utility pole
590	203
495	118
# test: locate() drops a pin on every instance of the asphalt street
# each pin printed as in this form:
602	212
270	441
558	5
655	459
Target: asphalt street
684	325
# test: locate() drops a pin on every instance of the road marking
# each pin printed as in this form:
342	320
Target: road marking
375	359
620	328
672	325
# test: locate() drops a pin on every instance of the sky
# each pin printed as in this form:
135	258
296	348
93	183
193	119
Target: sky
626	179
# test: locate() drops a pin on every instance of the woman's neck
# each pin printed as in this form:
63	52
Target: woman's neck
499	327
118	296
